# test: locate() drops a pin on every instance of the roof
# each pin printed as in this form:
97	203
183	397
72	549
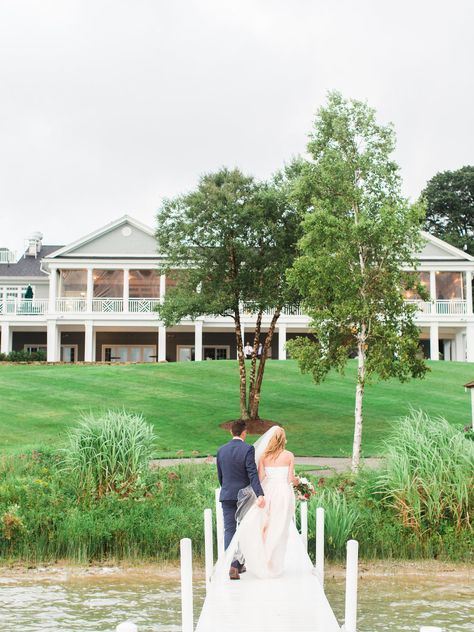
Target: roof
27	266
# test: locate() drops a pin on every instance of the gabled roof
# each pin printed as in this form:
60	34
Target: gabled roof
79	247
441	250
27	266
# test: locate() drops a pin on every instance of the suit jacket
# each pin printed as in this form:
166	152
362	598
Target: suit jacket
236	469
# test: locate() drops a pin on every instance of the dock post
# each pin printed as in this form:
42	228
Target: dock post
208	545
304	523
126	626
350	619
320	544
219	525
187	624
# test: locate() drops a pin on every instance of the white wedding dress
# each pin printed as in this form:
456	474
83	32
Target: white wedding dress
266	540
262	536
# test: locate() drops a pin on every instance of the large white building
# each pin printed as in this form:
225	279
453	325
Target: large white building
94	299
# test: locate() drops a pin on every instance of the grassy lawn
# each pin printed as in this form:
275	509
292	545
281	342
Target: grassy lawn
187	401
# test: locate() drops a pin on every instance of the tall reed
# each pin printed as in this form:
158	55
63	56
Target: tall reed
428	474
109	452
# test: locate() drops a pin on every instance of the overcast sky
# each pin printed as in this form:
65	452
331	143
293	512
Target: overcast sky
107	106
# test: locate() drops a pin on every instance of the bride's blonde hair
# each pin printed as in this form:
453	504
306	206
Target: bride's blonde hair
276	445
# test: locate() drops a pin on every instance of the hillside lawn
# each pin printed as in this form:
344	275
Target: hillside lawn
186	402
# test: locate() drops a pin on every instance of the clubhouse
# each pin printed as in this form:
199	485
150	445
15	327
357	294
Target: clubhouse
94	300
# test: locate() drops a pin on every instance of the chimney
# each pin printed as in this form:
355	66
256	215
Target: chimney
34	244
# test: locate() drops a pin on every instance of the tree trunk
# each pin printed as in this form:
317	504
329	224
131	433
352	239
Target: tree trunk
255	401
253	367
359	399
243	374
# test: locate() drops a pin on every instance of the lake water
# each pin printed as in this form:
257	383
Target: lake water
99	603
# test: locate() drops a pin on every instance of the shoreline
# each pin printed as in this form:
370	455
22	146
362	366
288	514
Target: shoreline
170	572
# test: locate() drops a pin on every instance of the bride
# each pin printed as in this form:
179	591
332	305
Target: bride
262	536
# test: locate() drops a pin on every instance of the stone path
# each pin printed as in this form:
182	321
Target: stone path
331	465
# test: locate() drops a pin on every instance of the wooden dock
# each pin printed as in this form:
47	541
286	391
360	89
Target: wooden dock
294	602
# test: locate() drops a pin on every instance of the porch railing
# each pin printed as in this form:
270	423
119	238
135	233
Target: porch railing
24	306
70	304
441	307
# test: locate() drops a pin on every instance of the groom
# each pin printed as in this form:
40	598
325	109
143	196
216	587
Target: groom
236	469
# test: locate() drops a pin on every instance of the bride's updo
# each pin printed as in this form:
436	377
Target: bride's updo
276	445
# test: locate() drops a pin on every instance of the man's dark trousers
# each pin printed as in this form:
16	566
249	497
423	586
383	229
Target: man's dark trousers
229	507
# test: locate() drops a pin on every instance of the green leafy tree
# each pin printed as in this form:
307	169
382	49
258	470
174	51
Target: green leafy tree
449	198
359	233
228	244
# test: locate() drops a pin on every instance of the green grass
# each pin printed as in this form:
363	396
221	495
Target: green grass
186	402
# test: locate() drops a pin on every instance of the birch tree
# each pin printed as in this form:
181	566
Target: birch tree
229	243
359	235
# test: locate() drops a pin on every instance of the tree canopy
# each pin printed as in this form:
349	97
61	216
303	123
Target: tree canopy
449	198
359	234
228	244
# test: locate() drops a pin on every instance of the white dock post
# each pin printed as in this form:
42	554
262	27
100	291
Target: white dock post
219	525
350	619
187	624
126	626
320	544
304	523
208	545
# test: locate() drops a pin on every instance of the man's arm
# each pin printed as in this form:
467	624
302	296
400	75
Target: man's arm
219	471
252	471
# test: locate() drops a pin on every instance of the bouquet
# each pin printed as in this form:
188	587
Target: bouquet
304	490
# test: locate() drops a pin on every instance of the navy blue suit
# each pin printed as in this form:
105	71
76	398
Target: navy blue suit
236	469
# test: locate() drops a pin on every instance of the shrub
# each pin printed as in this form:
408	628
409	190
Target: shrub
110	453
428	474
23	356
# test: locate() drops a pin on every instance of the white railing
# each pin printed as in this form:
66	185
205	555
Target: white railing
7	256
70	304
24	306
107	305
441	307
142	305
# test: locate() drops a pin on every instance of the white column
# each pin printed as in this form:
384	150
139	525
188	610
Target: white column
162	343
6	346
434	341
162	287
447	349
433	291
52	336
460	352
53	290
469	291
89	341
198	340
89	289
472	407
282	341
126	289
470	342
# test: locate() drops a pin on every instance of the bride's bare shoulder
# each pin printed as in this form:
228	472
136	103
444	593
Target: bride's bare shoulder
289	455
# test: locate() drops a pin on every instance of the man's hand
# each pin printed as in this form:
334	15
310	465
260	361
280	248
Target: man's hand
261	502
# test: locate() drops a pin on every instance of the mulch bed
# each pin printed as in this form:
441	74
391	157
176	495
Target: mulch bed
254	427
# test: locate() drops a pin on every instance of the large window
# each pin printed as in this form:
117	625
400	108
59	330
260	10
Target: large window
108	283
424	279
449	286
72	283
144	284
12	292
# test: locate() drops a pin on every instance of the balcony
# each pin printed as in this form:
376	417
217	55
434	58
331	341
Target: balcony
441	307
24	306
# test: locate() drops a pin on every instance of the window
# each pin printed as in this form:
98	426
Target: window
34	348
108	283
72	283
13	292
144	284
216	353
449	286
129	353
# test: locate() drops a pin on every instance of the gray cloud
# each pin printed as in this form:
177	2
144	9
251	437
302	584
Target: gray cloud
109	105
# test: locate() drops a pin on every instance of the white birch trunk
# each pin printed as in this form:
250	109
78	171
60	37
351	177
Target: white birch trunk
359	400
